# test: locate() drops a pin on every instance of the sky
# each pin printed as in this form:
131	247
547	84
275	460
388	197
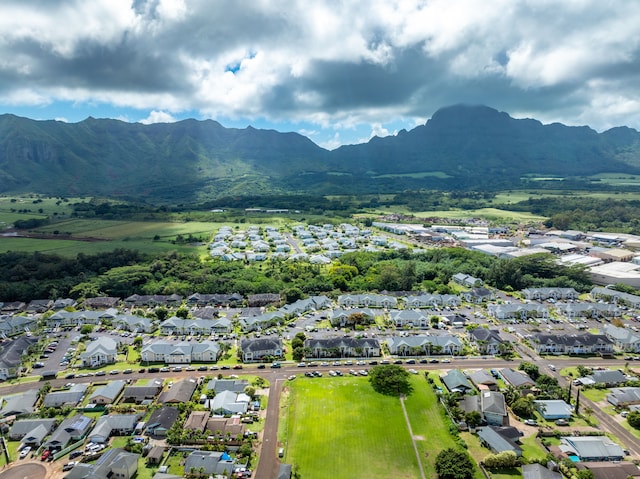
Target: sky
338	72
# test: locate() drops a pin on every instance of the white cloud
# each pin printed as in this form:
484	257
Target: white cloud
158	117
336	66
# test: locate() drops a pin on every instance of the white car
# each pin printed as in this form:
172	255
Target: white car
25	451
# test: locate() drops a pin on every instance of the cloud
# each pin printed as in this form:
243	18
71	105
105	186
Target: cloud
326	63
158	117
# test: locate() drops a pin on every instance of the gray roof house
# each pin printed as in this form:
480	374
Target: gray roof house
494	409
24	427
367	301
229	402
409	318
542	294
161	420
210	462
234	385
538	471
486	341
500	439
424	345
20	403
259	349
100	352
625	396
624	339
73	428
516	379
456	381
551	409
134	323
608	377
138	394
114	464
483	380
343	347
112	425
572	344
11	355
181	352
108	393
70	397
591	448
180	392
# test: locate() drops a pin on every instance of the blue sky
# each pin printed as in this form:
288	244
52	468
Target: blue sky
337	72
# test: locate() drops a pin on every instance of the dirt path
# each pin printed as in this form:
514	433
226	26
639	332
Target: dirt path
413	439
269	463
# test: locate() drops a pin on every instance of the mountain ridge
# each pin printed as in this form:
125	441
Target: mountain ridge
460	147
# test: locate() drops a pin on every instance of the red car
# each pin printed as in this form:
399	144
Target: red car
45	455
238	366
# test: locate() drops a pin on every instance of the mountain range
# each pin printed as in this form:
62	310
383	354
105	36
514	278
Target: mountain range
460	147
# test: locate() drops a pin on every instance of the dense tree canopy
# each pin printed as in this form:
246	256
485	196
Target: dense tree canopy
454	464
390	379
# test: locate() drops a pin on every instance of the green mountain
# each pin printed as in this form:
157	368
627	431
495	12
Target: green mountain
460	147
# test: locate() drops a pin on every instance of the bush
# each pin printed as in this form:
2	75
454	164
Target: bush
454	464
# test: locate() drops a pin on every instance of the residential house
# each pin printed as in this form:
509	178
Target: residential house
572	344
19	403
424	345
517	311
261	321
343	347
114	464
367	301
197	421
180	392
483	380
478	295
220	385
301	306
591	448
432	301
517	379
614	296
62	303
285	471
611	470
138	394
486	341
68	397
102	302
494	408
72	428
624	396
200	299
500	439
161	421
225	426
137	324
456	381
590	310
538	471
14	325
265	299
209	463
39	306
466	280
608	377
31	431
153	300
103	350
624	339
11	354
108	393
409	318
195	327
552	409
339	317
113	425
542	294
229	402
181	352
261	349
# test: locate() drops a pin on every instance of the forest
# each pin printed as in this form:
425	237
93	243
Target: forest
121	273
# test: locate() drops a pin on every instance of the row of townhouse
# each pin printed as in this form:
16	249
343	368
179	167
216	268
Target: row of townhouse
572	344
170	352
179	326
425	345
570	310
542	294
617	297
14	325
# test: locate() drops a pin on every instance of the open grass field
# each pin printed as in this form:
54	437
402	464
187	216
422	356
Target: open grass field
341	428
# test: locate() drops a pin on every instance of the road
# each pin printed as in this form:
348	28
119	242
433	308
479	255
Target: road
268	466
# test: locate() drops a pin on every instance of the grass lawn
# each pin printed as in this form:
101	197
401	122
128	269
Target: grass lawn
341	428
429	424
595	395
531	449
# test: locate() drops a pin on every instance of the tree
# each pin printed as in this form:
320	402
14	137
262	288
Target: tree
585	474
390	379
137	341
530	369
501	459
523	407
633	418
454	464
583	371
86	329
473	418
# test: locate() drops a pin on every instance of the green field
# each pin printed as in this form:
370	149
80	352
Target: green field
341	428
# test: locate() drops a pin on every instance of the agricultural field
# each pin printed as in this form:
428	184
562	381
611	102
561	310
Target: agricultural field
341	428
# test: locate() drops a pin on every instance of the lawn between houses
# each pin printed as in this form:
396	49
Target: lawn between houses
341	428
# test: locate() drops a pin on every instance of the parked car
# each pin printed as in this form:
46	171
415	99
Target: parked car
45	455
69	465
25	452
562	422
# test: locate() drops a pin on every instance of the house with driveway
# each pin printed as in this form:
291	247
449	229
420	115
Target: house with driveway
209	463
591	448
113	425
624	339
572	344
183	352
11	354
486	341
409	318
424	345
343	348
